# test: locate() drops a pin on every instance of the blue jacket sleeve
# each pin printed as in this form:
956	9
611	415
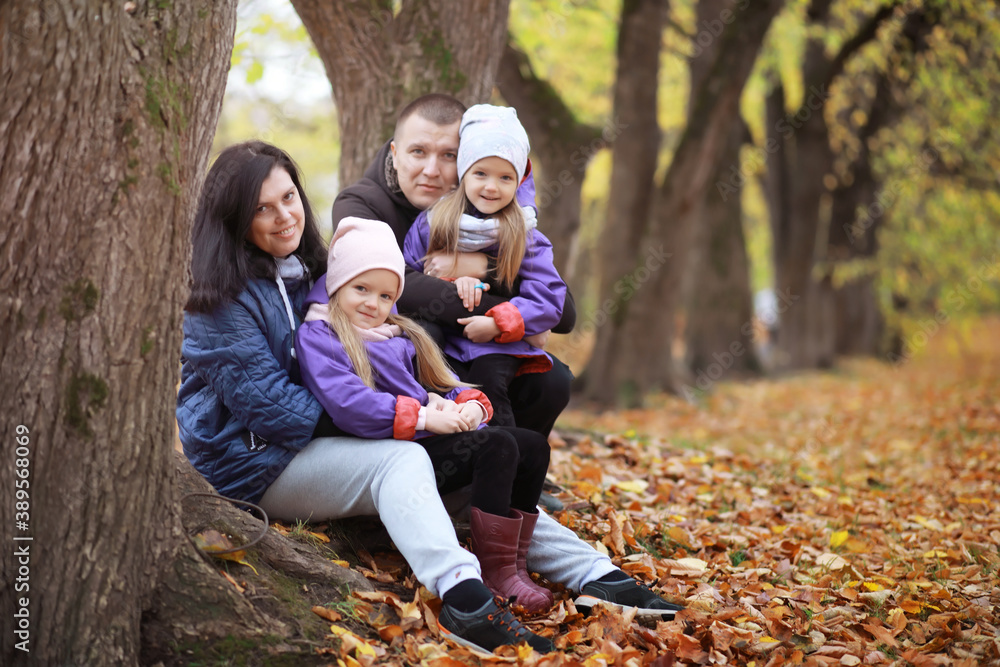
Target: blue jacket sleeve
230	353
326	370
542	293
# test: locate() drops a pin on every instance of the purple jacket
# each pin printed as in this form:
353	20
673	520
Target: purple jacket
391	410
536	308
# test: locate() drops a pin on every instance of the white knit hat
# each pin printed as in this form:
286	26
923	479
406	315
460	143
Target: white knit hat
489	131
361	245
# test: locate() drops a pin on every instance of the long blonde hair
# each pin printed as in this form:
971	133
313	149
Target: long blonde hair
432	370
512	236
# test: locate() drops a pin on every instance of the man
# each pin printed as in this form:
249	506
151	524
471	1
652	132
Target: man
409	174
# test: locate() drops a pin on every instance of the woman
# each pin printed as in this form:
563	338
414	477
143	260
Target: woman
251	428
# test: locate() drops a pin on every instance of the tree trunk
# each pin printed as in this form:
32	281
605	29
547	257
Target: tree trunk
858	319
107	117
860	206
563	146
805	331
718	331
638	343
807	304
633	165
378	61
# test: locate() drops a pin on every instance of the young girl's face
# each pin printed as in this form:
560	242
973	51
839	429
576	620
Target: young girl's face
490	184
368	298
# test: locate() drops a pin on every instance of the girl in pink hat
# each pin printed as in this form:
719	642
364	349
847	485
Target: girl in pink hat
379	375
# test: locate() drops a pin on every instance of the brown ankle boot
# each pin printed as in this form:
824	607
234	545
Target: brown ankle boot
523	542
495	541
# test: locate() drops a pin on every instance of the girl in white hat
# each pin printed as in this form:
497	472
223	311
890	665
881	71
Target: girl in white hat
484	215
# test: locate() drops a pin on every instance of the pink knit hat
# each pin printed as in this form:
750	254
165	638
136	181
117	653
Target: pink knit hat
361	245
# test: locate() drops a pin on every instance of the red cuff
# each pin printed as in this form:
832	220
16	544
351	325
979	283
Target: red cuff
509	320
534	364
467	395
404	426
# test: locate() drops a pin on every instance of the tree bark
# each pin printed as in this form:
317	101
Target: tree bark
633	165
636	349
563	146
107	117
378	61
718	331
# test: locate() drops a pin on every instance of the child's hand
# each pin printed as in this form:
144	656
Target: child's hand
479	328
470	291
473	415
441	422
436	401
539	340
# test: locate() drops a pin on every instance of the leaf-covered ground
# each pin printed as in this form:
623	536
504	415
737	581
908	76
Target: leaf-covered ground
842	518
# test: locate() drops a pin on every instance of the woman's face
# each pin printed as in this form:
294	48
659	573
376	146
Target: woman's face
279	220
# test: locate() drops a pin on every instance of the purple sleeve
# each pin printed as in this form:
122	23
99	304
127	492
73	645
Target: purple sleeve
416	241
542	293
526	190
327	372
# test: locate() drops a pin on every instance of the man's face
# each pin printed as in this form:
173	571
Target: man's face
425	155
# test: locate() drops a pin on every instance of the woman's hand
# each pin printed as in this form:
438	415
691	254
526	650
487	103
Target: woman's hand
441	422
453	265
470	291
479	328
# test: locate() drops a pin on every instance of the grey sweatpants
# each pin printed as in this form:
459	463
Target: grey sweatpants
335	478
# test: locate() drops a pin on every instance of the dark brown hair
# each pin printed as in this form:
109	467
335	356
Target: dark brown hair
222	259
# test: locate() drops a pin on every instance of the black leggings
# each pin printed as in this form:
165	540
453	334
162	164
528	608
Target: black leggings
506	466
532	400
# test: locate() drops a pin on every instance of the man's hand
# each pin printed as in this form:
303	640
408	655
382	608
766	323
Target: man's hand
442	422
453	265
539	340
470	291
479	328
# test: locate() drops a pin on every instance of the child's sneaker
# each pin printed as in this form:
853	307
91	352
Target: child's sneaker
623	593
488	627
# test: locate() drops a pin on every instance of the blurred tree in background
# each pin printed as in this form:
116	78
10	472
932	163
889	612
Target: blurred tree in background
856	180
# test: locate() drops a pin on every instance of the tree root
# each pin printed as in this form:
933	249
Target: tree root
261	617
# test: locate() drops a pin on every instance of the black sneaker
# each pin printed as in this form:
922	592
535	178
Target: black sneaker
550	503
488	627
626	593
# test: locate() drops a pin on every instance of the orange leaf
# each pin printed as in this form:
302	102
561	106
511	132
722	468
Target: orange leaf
390	632
328	614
